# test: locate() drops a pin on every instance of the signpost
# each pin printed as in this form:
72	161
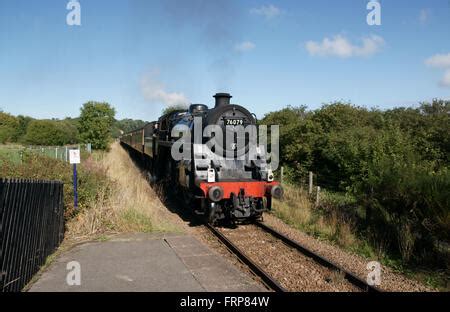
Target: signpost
74	158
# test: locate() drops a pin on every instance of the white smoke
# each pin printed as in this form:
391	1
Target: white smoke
155	91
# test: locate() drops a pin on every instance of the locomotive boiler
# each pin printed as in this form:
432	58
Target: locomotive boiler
213	173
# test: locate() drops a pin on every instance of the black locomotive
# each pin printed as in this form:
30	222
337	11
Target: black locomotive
219	182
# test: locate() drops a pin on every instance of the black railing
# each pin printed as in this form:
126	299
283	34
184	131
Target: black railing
31	228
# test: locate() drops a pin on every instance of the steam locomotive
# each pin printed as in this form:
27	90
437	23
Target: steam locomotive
219	183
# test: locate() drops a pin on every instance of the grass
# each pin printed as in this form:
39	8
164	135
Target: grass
328	223
113	195
297	210
127	205
11	152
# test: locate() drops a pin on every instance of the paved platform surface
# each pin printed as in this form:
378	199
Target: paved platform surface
144	262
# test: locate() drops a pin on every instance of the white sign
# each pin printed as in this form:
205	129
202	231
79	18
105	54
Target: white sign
74	156
211	175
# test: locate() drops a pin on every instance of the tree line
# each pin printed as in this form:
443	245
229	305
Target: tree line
96	125
394	163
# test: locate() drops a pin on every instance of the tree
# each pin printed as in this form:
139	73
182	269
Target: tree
43	132
126	125
9	126
70	130
95	124
23	125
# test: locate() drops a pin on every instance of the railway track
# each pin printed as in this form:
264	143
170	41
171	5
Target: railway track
256	269
309	260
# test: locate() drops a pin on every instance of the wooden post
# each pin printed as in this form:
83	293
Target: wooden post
67	155
282	174
56	152
318	196
310	190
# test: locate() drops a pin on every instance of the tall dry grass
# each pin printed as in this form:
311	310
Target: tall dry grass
127	205
297	209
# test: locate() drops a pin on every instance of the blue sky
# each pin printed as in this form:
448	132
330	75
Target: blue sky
141	55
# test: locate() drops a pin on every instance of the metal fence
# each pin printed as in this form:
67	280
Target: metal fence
31	228
59	152
16	152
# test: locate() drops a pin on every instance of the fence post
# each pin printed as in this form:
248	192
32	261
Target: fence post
56	152
67	156
310	190
318	196
282	174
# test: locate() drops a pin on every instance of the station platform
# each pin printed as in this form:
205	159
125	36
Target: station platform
144	263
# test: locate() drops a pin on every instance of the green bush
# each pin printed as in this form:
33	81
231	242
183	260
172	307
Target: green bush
407	199
394	164
51	133
91	177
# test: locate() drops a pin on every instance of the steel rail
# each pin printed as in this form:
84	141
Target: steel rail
352	278
257	270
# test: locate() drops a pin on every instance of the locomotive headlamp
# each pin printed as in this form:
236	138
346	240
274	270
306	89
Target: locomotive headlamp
276	191
270	176
215	193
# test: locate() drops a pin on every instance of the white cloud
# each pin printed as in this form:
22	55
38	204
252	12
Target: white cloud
244	46
268	11
439	60
154	91
424	16
341	47
445	82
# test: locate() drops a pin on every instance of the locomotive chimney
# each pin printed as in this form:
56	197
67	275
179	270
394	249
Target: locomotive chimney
222	99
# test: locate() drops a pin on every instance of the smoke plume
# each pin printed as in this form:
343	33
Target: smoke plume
155	91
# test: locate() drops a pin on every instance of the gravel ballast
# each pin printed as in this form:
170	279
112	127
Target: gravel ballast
390	280
290	268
